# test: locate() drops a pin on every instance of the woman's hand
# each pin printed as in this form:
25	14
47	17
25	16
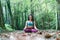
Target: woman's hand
24	28
36	29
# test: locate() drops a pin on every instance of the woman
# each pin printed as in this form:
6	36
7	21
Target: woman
30	25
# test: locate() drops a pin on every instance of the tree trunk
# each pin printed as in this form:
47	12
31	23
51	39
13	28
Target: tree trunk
32	10
43	25
9	9
1	17
22	20
26	9
58	13
5	14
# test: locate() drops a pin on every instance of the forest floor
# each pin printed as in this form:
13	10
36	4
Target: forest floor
20	35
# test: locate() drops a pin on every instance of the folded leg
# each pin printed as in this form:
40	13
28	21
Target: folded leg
34	30
27	30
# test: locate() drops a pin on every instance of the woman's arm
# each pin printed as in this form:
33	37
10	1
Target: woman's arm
35	26
25	25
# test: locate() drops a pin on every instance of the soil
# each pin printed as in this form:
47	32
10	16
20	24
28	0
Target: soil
18	35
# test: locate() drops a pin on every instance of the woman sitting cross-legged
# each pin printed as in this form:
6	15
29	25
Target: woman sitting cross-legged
30	25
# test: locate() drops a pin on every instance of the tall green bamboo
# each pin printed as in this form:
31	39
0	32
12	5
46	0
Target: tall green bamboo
1	17
58	13
10	12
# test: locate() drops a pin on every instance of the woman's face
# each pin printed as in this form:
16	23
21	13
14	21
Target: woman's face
30	17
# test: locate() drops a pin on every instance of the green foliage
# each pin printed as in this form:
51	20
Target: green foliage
8	27
44	13
1	29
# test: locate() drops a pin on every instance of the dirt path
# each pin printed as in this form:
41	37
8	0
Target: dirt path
17	35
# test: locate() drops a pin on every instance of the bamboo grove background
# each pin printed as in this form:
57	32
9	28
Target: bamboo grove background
15	13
